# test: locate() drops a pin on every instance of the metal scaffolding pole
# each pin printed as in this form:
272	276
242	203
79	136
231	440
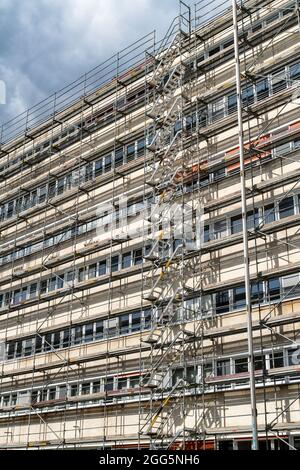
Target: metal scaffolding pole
245	231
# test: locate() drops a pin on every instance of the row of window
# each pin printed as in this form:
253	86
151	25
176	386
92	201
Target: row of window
265	215
195	374
211	232
66	280
231	366
214	111
256	26
73	133
127	323
61	392
234	299
227	104
74	179
221	302
133	208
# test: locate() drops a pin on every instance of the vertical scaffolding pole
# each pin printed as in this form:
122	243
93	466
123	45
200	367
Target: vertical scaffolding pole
245	231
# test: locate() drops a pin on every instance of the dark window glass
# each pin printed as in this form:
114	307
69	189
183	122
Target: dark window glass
102	268
138	256
77	334
66	338
222	302
107	163
286	207
262	89
126	260
269	214
140	147
248	95
124	324
11	350
239	298
96	386
276	359
114	264
241	365
223	367
295	71
259	362
48	342
232	103
98	167
130	152
274	289
89	333
257	292
109	386
119	157
92	271
136	321
236	224
85	388
99	330
56	340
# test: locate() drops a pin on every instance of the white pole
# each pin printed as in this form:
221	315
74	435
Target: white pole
245	231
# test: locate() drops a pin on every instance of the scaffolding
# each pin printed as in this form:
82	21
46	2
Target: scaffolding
117	336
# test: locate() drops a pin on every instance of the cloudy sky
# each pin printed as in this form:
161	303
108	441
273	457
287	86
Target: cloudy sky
45	44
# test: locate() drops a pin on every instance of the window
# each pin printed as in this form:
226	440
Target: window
282	149
112	326
77	331
138	257
124	324
96	387
122	384
48	342
269	214
92	271
236	224
279	82
89	333
52	284
66	336
130	152
74	390
119	157
220	229
217	109
99	330
98	167
52	393
136	321
239	299
56	340
252	219
295	71
85	388
290	285
286	207
276	359
262	89
115	264
42	194
107	163
257	292
60	186
222	302
248	95
223	367
241	365
102	268
259	362
11	350
232	103
147	318
140	147
274	289
126	260
109	386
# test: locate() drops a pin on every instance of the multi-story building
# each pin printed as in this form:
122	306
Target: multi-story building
115	331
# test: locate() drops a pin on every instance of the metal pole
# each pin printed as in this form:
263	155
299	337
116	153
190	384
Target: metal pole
245	231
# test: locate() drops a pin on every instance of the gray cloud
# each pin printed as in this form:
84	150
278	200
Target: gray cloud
45	44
